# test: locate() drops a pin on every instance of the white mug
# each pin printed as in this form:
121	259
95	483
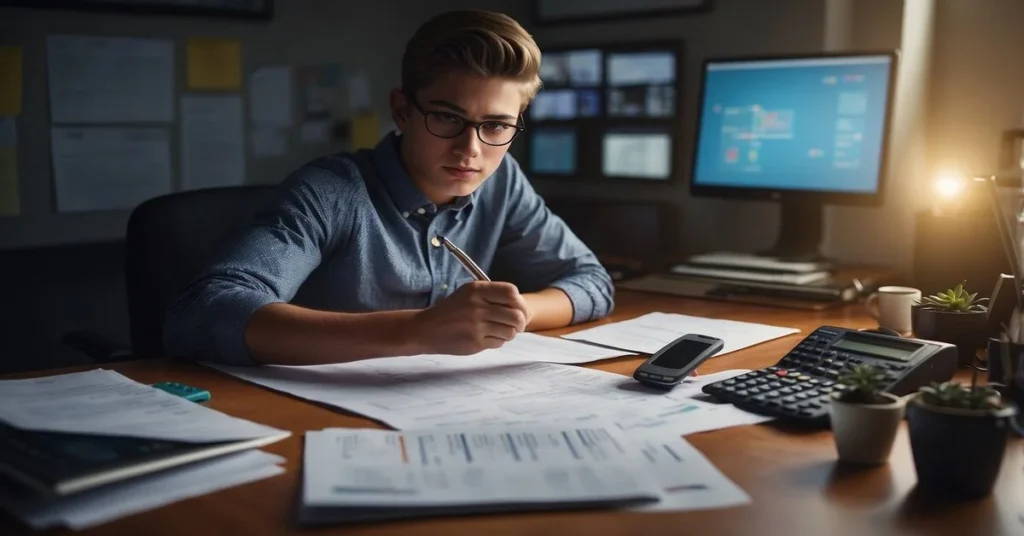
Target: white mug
893	309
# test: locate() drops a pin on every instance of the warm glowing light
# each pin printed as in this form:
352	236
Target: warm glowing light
948	185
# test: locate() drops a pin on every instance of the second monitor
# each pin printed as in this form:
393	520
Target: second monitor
806	131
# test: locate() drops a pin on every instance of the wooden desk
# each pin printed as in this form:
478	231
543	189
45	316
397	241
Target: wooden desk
792	476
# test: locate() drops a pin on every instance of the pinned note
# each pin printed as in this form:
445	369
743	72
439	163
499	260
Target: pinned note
365	131
10	80
10	203
214	63
359	93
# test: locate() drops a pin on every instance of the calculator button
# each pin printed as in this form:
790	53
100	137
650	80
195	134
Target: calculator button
781	372
729	382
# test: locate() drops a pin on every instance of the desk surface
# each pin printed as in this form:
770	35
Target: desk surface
792	476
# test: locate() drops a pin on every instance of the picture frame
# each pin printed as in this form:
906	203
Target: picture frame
245	9
551	12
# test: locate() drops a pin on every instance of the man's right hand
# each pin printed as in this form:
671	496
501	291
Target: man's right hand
478	316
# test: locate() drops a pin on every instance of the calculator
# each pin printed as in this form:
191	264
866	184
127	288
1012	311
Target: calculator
797	387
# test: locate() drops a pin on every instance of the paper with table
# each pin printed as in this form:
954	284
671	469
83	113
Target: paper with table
652	331
509	385
360	475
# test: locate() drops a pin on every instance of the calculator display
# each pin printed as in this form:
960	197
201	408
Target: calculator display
887	349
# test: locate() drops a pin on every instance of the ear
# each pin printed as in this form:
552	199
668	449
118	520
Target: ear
399	109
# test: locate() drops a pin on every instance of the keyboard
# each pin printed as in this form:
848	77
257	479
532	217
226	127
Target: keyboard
798	386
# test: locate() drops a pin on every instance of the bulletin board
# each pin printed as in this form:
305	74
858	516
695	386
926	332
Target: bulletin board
94	123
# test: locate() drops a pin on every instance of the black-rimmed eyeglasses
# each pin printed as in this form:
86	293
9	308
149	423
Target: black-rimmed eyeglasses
448	125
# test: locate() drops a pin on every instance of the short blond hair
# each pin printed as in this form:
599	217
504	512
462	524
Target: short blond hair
481	42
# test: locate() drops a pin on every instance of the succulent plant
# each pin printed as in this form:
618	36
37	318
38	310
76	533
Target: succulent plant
957	395
861	385
956	300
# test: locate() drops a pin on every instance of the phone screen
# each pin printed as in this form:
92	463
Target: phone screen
681	354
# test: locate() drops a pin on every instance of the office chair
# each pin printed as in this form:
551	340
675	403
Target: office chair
168	241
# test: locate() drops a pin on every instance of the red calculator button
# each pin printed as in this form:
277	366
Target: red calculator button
781	372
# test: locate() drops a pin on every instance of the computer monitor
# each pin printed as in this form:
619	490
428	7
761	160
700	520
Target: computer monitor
804	130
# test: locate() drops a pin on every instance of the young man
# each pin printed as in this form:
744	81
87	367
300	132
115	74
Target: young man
360	233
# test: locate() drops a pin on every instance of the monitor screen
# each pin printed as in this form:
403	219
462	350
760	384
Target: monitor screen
641	84
553	150
807	124
642	154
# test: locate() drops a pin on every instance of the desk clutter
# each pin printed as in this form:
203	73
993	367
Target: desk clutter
517	428
755	279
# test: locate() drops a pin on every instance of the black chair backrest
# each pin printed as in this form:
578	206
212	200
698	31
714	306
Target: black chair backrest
168	241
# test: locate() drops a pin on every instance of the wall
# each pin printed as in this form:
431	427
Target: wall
978	82
55	289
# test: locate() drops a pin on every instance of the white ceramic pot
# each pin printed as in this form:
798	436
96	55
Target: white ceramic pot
864	433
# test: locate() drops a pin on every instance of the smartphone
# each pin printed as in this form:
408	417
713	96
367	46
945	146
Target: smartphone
668	367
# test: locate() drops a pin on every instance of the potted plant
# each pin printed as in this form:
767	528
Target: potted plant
954	316
864	418
958	436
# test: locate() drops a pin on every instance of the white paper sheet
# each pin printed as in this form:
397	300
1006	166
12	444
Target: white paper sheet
359	93
104	402
315	131
534	347
110	79
458	467
651	332
270	97
109	168
212	144
8	132
268	142
688	480
120	500
492	388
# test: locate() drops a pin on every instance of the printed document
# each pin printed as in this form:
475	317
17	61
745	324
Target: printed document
360	474
109	168
105	402
651	332
98	79
427	391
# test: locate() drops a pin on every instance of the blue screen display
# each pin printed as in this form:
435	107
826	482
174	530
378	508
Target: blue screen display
802	124
553	151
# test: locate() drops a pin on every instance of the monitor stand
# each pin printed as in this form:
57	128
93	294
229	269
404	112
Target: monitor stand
800	229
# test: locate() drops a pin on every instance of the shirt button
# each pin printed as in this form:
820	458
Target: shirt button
436	242
444	286
405	214
420	210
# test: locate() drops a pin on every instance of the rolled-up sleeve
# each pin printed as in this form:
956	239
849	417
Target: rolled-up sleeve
538	250
267	264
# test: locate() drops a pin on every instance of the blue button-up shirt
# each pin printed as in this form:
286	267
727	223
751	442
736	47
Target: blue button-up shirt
352	232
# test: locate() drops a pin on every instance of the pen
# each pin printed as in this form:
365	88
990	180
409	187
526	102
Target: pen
465	260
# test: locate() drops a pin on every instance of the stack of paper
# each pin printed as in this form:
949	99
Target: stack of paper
360	475
68	443
651	332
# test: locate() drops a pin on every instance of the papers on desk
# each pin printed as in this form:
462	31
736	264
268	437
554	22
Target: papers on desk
361	475
104	402
119	500
88	447
426	391
650	332
533	347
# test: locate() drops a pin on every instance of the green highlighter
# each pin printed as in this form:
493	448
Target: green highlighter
188	392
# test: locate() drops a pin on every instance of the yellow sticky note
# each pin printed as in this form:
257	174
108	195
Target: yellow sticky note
214	63
10	204
365	131
10	81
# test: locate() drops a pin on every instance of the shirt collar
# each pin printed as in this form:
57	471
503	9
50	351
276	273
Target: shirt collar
406	195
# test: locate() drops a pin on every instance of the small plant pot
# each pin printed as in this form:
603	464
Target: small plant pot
864	433
967	331
958	452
